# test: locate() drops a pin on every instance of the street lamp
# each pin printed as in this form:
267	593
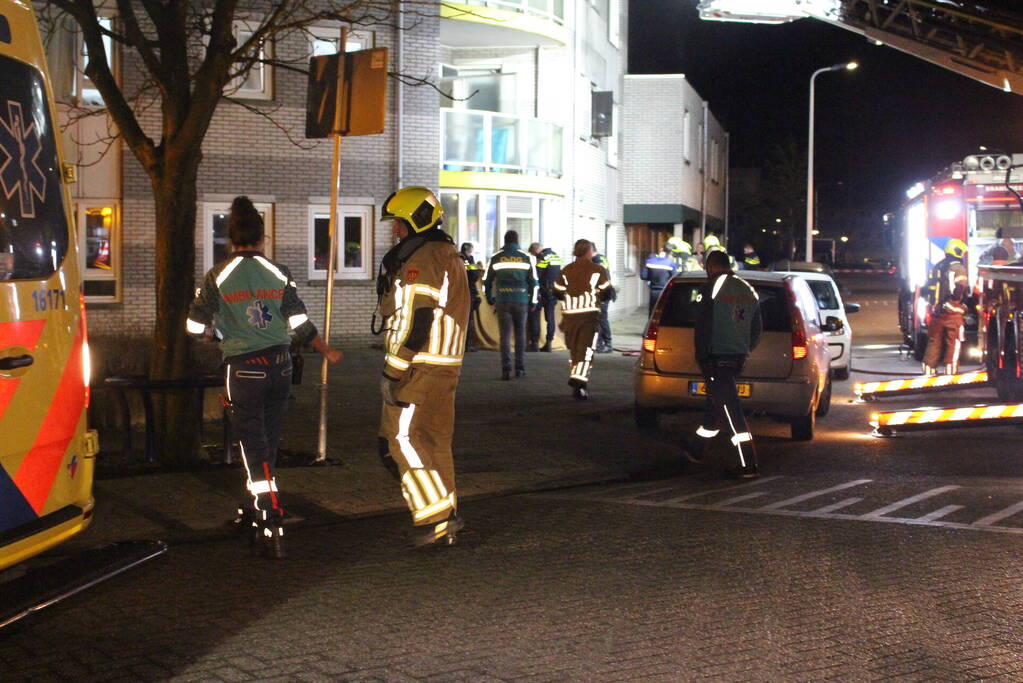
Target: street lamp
848	66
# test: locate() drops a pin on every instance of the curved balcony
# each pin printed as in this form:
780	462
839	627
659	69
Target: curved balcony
489	23
484	149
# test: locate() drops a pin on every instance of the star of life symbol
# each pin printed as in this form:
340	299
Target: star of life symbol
259	315
19	162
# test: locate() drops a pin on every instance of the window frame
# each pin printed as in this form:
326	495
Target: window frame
234	87
367	212
332	32
80	81
82	206
210	208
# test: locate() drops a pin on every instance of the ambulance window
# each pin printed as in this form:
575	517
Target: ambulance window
33	226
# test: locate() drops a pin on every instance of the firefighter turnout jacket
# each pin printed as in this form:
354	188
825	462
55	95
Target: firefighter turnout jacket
582	287
950	286
548	268
727	319
510	277
251	302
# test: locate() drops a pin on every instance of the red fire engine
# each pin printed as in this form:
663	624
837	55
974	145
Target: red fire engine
973	200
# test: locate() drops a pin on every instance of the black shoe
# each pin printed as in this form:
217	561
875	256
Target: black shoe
520	372
605	349
267	537
442	533
472	349
546	348
580	394
505	375
532	348
749	472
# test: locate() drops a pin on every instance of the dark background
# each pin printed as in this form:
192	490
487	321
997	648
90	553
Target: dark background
895	120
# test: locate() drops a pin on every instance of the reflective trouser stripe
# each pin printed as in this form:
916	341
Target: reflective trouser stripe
705	433
735	434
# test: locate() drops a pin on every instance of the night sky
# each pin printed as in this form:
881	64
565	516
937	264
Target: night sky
895	120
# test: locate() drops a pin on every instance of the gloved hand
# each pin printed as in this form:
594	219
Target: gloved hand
387	388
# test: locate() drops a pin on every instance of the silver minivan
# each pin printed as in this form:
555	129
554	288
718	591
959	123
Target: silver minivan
787	375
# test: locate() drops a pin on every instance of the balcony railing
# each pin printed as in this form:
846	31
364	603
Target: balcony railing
500	143
552	10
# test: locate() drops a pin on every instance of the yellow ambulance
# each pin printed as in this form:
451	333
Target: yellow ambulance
46	449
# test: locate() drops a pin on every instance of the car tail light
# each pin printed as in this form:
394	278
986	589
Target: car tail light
654	324
799	341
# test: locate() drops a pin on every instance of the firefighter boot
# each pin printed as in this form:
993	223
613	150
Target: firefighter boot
268	535
441	533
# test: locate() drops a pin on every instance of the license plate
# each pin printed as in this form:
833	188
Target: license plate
700	389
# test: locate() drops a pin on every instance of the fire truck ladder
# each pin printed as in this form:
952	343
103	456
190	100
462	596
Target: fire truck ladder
871	391
981	39
889	423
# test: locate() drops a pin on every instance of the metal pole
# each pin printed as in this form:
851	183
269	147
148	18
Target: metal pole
809	172
704	170
335	191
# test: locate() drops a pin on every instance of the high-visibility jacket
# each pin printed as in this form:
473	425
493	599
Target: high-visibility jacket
426	309
727	321
658	271
582	286
950	286
548	269
252	302
473	272
511	277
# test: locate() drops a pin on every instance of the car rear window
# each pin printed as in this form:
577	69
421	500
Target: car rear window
33	227
680	306
824	292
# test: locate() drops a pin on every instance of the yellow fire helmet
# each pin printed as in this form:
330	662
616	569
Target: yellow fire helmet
677	244
956	248
417	206
711	241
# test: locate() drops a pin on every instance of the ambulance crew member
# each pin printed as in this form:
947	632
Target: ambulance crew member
581	287
425	302
511	287
727	329
604	343
250	302
658	270
548	269
947	319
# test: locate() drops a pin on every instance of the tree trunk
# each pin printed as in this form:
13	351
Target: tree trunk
175	198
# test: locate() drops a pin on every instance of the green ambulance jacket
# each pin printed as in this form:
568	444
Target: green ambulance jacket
727	319
252	302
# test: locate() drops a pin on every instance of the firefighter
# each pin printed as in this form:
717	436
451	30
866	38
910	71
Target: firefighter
658	270
548	269
424	298
511	287
250	303
604	344
682	253
710	244
947	320
582	286
727	329
473	272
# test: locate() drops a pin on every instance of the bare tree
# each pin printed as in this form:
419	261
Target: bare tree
190	58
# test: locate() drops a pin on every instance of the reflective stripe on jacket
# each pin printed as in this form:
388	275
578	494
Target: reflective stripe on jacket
581	287
511	277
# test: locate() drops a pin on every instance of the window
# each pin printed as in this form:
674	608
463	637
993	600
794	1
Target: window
86	93
99	237
687	135
355	242
680	309
715	161
216	245
257	83
827	298
612	141
483	87
324	40
584	103
614	23
699	141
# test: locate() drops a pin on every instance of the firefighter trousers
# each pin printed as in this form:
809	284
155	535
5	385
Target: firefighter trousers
724	410
945	331
257	386
581	332
417	436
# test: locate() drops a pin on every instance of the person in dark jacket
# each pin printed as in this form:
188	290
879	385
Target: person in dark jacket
251	305
473	271
727	328
604	344
511	287
548	268
658	270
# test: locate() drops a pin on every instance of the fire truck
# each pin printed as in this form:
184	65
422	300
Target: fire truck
1000	311
974	200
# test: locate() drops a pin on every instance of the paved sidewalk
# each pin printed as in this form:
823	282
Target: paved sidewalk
510	437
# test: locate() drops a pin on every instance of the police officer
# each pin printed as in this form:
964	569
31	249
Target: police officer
548	269
947	320
581	287
424	297
511	287
473	272
604	344
750	258
682	253
658	270
251	303
727	329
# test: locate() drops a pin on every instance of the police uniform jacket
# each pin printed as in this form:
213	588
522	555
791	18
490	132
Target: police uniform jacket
658	271
727	321
548	269
582	286
473	272
511	277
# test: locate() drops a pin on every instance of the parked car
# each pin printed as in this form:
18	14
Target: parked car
829	302
787	375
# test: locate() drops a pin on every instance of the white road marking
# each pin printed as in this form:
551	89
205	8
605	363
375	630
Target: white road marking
739	499
815	494
939	513
755	482
905	502
835	506
1000	515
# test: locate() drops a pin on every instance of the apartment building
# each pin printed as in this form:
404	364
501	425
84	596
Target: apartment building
519	133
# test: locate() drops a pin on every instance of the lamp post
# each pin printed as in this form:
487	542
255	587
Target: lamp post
848	66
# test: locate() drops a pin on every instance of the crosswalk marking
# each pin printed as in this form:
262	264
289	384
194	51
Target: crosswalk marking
836	506
905	502
815	494
739	499
939	513
1000	515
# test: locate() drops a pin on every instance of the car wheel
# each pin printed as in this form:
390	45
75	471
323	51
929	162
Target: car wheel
646	418
824	402
802	427
842	374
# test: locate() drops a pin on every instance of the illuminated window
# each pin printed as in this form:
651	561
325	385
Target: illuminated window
323	40
355	242
257	83
216	244
99	243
